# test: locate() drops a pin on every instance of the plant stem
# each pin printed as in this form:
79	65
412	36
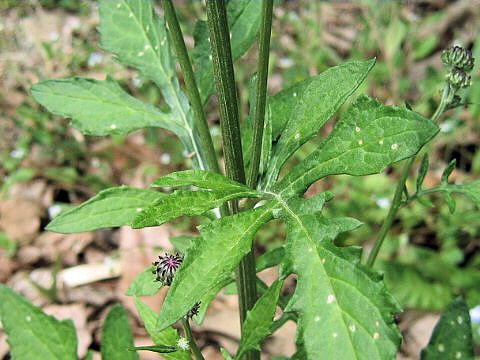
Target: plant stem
261	95
397	198
232	145
200	121
193	345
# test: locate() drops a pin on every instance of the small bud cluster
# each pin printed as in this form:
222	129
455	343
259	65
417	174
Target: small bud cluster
165	268
459	62
458	57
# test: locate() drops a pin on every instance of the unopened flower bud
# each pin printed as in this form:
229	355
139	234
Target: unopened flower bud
458	78
166	267
194	310
458	57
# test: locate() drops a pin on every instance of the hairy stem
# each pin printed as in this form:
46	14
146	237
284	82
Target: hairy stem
200	121
191	341
232	146
261	95
397	198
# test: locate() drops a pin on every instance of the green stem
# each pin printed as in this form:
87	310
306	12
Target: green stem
227	92
232	146
261	94
200	121
397	198
191	341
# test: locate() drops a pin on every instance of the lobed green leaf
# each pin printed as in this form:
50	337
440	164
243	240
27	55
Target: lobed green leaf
368	138
201	179
134	32
117	336
109	208
319	99
452	336
344	309
211	260
257	324
100	107
186	202
32	334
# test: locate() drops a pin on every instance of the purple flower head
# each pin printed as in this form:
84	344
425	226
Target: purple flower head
166	266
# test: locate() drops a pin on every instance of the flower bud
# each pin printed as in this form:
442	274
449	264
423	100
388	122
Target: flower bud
194	310
458	78
166	267
458	57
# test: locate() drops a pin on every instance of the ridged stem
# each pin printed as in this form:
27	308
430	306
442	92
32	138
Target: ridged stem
200	122
261	94
232	146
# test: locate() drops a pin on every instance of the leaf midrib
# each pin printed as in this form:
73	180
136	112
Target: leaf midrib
313	245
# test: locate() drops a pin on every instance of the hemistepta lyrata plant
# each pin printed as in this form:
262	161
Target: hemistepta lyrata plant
342	308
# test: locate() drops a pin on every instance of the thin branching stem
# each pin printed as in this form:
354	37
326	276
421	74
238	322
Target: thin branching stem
200	121
191	341
397	198
261	94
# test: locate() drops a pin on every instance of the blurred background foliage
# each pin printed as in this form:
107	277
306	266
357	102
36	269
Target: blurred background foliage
430	255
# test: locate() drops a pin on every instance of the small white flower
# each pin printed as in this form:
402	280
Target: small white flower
183	344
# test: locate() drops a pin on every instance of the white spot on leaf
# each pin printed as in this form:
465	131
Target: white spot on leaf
113	126
377	323
335	335
141	53
360	142
297	136
394	146
352	328
146	47
441	347
357	129
28	318
376	336
294	94
316	319
459	319
139	209
323	261
130	15
380	141
330	299
458	355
